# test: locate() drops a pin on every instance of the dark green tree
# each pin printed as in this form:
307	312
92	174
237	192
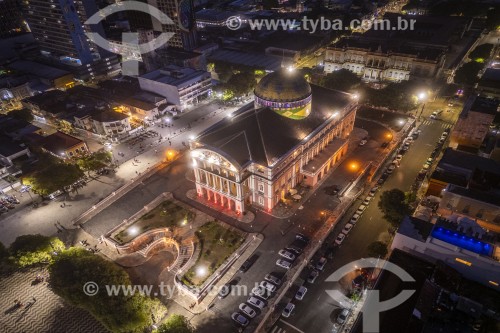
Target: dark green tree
343	80
467	74
176	324
95	161
481	53
393	205
241	83
23	114
29	250
377	249
493	18
395	96
119	313
53	178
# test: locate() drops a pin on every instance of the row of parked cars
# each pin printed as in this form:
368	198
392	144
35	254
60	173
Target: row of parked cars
7	202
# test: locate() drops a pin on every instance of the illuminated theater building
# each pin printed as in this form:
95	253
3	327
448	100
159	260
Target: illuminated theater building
293	134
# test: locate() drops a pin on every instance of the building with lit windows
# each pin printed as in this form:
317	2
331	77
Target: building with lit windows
293	135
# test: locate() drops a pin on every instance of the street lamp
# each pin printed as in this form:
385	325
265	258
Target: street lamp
421	97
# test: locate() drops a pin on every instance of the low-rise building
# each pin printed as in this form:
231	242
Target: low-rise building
180	85
63	145
107	123
474	122
51	76
145	107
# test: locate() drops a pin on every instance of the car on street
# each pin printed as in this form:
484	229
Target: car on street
224	291
260	292
286	254
302	237
287	311
320	265
247	310
391	168
361	209
347	228
273	279
363	142
254	301
399	157
343	316
340	238
268	286
240	319
373	191
283	263
366	202
312	276
247	264
299	295
354	218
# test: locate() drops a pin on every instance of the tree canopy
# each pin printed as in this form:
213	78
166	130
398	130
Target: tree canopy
241	83
393	205
377	249
343	80
73	268
467	74
23	114
95	161
395	96
481	52
53	177
29	250
176	324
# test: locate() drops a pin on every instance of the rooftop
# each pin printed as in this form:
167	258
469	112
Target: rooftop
415	228
485	105
9	147
174	75
256	60
107	116
59	142
38	69
459	159
263	136
138	103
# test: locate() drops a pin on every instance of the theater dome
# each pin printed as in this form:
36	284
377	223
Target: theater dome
286	92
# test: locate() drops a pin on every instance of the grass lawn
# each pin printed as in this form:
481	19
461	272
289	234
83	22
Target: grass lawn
167	214
217	244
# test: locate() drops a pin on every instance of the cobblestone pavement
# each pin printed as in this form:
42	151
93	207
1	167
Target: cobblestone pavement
42	311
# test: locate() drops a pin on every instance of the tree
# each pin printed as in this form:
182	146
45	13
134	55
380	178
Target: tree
176	324
23	114
343	80
467	74
493	18
75	267
481	52
377	249
241	83
54	177
29	250
95	161
393	205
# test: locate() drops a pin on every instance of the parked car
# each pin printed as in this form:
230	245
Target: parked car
347	228
283	263
273	279
366	202
224	291
312	276
254	301
268	285
286	254
361	209
343	316
302	237
246	266
340	238
355	218
299	295
320	265
287	311
260	292
363	142
399	157
247	310
240	319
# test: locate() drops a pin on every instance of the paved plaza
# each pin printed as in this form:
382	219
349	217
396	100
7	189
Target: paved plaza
42	310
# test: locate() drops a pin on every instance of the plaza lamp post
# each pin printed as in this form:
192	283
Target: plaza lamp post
421	97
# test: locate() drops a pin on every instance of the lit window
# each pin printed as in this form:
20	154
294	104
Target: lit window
465	262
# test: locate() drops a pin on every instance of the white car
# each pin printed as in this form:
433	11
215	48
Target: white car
286	254
256	302
343	316
361	209
363	142
347	228
273	279
268	285
399	157
355	218
283	263
261	292
391	168
367	201
312	276
301	293
247	310
340	238
287	311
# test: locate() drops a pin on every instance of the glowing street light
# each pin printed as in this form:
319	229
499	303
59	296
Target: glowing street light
421	96
201	271
389	136
354	166
133	231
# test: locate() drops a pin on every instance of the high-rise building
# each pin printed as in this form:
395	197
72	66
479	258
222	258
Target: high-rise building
11	20
59	29
180	11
